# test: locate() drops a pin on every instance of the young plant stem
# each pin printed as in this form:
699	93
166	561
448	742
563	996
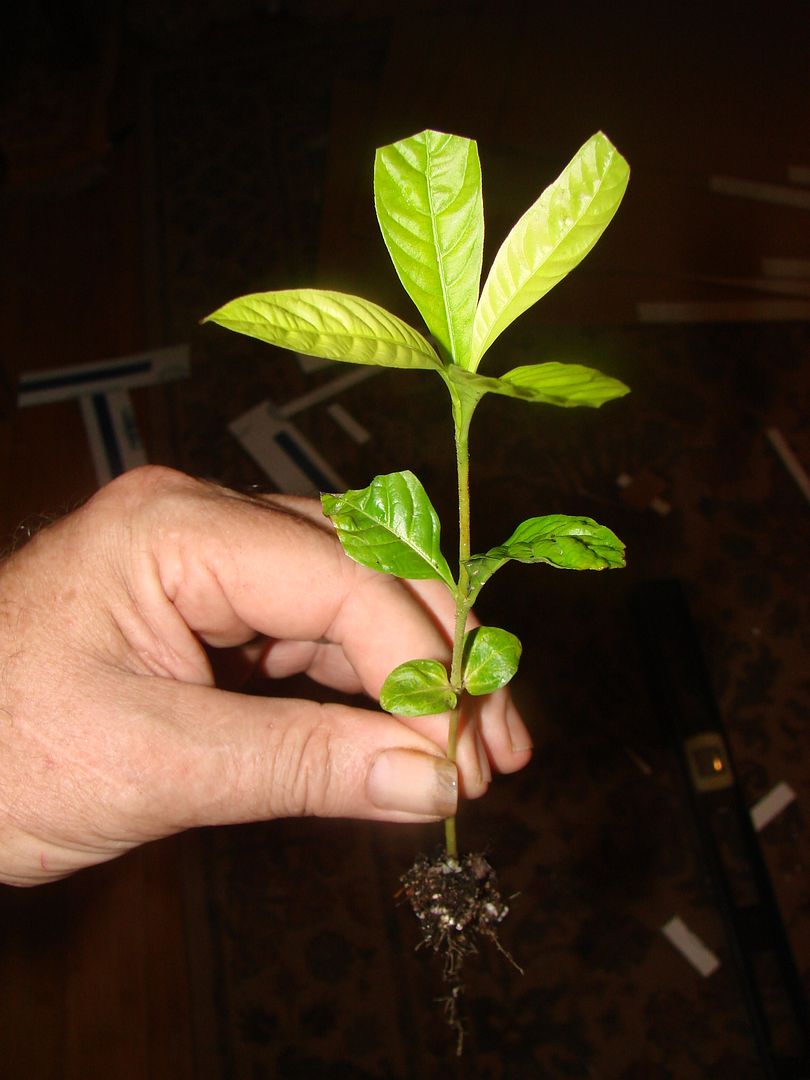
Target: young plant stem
462	415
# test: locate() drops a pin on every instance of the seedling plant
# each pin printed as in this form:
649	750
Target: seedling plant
429	204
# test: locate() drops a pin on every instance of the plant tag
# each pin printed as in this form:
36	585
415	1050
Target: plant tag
278	447
689	945
112	431
771	805
100	377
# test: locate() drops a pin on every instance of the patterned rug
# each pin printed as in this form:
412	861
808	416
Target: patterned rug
306	963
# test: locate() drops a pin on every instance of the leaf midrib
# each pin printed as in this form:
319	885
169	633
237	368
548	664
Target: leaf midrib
577	221
345	335
395	538
439	258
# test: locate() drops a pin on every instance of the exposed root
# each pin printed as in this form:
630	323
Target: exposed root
457	903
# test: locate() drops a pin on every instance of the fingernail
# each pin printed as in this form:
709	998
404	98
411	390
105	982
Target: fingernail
414	782
519	735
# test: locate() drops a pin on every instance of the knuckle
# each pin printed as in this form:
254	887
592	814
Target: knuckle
154	501
146	481
305	772
128	497
155	486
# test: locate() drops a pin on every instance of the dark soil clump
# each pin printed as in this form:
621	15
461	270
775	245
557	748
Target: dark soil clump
457	903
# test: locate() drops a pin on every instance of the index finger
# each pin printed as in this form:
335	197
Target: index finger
233	567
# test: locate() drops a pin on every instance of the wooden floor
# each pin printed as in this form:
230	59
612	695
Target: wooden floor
94	971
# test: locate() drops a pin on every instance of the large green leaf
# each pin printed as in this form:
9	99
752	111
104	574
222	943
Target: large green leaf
427	192
491	658
551	238
332	325
571	543
551	384
390	526
418	688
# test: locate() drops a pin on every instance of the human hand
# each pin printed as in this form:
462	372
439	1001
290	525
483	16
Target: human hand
113	731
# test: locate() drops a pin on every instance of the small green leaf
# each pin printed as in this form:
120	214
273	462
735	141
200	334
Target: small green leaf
418	688
491	658
552	383
333	325
551	238
390	526
571	543
427	192
564	384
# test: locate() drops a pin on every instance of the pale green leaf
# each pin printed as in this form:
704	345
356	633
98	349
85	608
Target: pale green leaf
332	325
564	384
418	688
571	543
551	238
552	383
427	192
491	658
390	526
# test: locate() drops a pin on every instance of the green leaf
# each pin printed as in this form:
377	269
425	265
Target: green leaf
390	526
427	192
564	384
332	325
551	238
491	658
571	543
418	688
552	383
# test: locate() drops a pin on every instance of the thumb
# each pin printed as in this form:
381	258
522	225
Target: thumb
257	758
